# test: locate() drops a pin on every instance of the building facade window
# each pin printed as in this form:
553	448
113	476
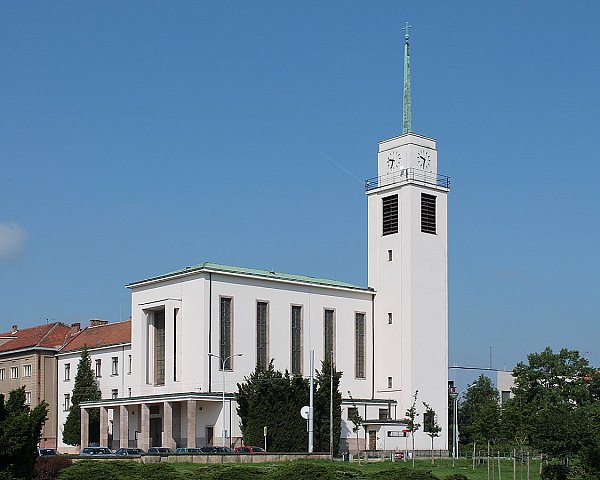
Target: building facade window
114	393
359	345
67	402
129	366
428	222
225	329
158	321
390	382
390	214
262	335
14	372
329	333
114	365
2	374
27	370
67	372
129	391
390	318
98	368
27	398
297	339
383	414
352	411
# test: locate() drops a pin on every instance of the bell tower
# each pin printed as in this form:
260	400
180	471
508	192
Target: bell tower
408	268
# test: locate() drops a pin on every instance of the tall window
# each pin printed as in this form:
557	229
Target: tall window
27	398
262	333
225	330
67	402
359	345
2	373
114	365
329	332
129	366
98	368
67	375
14	372
427	213
296	339
390	214
27	370
159	347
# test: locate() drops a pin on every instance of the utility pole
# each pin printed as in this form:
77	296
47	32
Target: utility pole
331	409
311	404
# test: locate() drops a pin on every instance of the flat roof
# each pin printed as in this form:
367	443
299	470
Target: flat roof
252	272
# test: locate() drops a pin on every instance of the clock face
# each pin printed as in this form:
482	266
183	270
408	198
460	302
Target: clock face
394	160
423	159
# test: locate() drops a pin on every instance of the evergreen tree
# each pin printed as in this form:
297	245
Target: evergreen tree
85	388
269	398
322	401
20	432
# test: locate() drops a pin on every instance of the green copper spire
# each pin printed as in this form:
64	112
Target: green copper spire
407	107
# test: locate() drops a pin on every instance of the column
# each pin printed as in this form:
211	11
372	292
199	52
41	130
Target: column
167	433
191	423
144	435
85	427
103	427
123	427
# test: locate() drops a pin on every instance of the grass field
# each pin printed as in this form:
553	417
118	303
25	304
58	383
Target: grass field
441	469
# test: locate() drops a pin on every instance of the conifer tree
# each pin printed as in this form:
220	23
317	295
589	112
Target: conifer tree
85	388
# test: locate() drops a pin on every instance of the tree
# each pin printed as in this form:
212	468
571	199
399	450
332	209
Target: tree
556	395
479	413
430	425
269	398
411	423
356	420
84	389
322	400
20	432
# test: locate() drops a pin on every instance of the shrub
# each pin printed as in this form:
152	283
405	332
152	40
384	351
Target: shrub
158	471
456	476
402	473
48	467
554	471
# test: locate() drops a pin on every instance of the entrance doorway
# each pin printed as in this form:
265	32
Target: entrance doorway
210	435
156	432
372	439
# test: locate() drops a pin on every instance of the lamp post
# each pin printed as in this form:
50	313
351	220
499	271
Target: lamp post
223	362
454	398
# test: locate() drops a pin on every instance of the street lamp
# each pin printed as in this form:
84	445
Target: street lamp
223	362
454	398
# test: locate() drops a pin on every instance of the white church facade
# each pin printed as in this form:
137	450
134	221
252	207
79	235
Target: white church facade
390	338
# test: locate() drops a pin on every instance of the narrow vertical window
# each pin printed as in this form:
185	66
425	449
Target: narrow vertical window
67	376
262	333
390	255
114	365
175	319
129	366
27	398
225	330
129	391
2	373
390	318
390	383
67	402
428	213
359	345
390	214
159	347
329	333
296	339
98	368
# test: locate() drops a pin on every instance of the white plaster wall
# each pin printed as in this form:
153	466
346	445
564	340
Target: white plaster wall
107	382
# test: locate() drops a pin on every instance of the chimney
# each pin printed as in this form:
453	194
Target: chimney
97	322
75	328
14	329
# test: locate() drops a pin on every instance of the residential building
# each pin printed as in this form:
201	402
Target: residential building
109	347
460	378
27	358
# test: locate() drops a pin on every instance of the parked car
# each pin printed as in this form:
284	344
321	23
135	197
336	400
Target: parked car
249	449
47	451
159	450
96	451
223	450
129	452
208	450
187	450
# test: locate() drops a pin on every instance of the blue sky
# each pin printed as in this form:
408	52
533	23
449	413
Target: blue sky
137	138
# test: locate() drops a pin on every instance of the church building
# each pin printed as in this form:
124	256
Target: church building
198	331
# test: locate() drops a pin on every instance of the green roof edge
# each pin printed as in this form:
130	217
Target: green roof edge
266	274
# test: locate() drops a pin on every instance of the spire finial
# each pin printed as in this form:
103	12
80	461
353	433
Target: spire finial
407	107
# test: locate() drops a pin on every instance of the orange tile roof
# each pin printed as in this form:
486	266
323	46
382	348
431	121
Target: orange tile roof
51	335
101	336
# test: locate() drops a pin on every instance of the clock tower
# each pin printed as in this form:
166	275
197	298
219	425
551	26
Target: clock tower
408	268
